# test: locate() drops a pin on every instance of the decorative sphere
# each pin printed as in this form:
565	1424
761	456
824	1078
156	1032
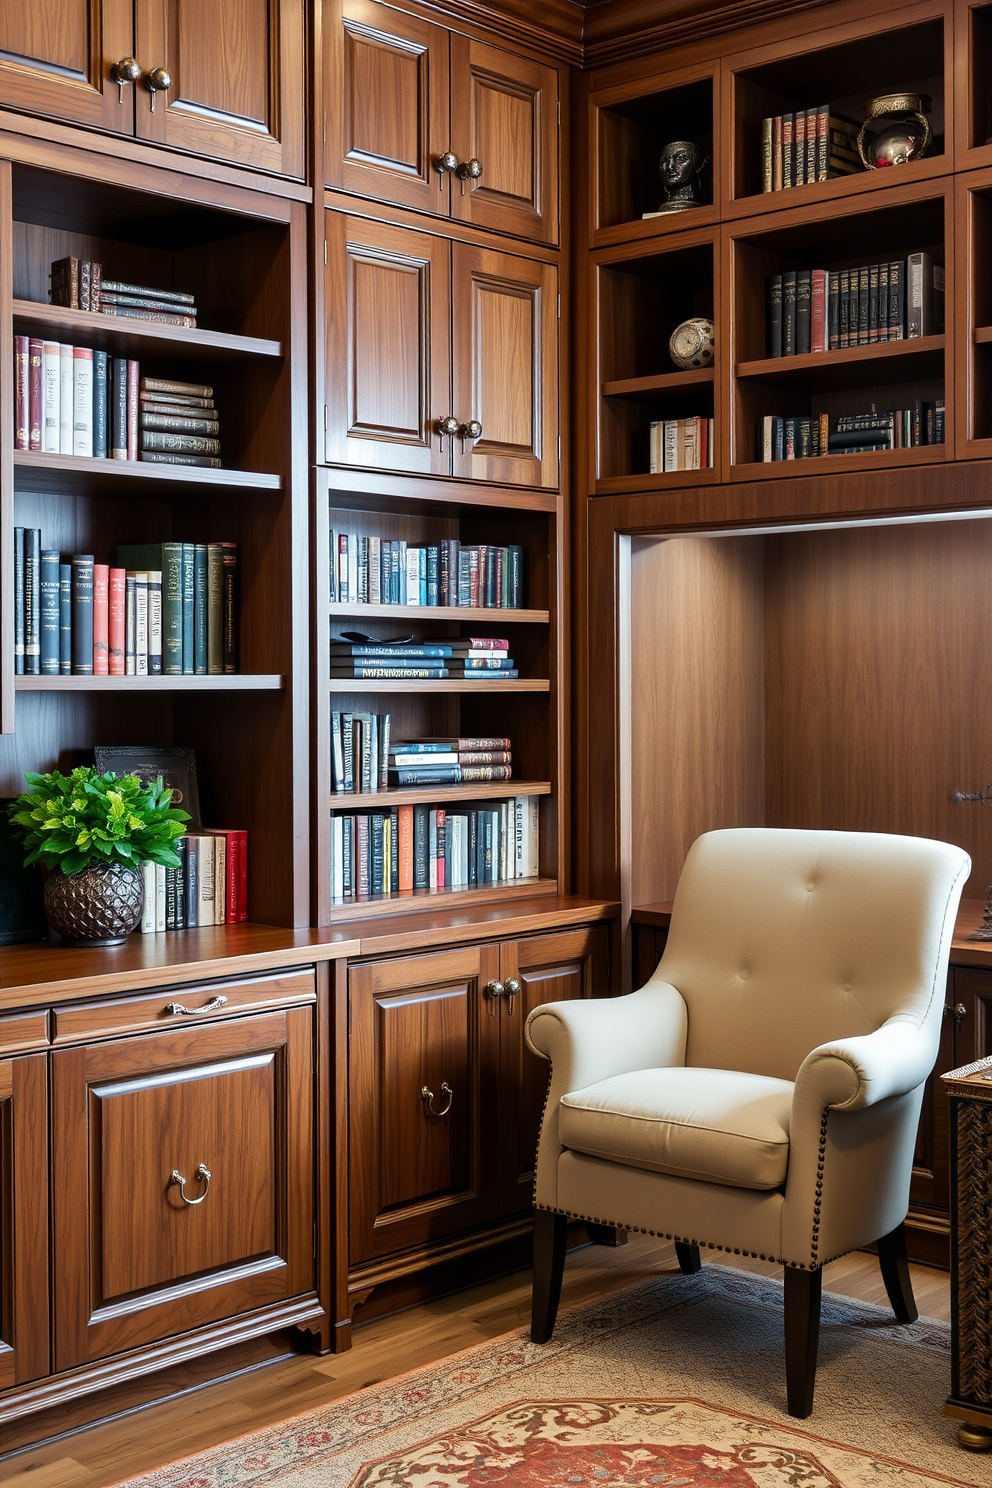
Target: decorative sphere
692	343
897	144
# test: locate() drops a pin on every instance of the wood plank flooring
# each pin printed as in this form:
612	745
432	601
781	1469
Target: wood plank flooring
103	1455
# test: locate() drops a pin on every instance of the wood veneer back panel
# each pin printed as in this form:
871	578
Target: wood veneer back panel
697	699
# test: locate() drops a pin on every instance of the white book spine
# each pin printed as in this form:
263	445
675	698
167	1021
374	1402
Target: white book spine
518	826
159	897
82	401
344	593
154	623
148	898
533	837
671	441
375	570
412	576
432	852
130	619
66	398
653	462
51	411
141	625
505	855
767	437
220	880
206	863
709	443
352	568
337	863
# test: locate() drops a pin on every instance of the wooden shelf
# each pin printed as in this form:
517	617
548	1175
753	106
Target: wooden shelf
440	684
75	475
837	464
232	682
663	382
426	795
447	613
885	360
137	337
413	899
983	335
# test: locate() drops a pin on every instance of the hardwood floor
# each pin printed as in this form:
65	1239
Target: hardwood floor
103	1455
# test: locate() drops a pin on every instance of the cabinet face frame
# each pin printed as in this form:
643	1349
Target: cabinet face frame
83	94
90	1325
24	1309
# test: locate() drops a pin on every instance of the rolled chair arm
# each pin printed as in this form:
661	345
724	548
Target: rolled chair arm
851	1074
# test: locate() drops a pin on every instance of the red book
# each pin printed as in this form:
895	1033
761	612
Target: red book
22	356
36	349
101	619
818	311
799	149
777	153
133	380
242	876
442	817
406	847
116	620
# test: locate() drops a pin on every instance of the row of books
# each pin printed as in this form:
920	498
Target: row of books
78	284
373	570
375	854
482	658
72	400
830	309
165	608
210	886
806	146
856	433
449	761
681	444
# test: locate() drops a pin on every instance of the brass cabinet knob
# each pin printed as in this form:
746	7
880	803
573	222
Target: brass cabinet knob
124	73
512	989
472	430
494	991
158	80
446	428
469	170
444	165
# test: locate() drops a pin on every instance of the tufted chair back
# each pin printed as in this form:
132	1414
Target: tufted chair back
783	940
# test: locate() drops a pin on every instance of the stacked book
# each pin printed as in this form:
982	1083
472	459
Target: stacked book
449	761
855	433
375	854
72	400
480	658
359	752
374	570
210	886
681	444
178	423
806	146
164	608
828	310
78	284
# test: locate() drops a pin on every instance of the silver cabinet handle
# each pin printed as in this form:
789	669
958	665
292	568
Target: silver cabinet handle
202	1173
178	1008
427	1096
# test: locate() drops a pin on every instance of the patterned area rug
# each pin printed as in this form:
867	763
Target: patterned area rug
677	1382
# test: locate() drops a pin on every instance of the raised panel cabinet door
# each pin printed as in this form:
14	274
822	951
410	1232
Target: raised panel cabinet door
386	93
24	1347
558	967
504	122
182	1179
237	86
973	1015
56	56
388	333
504	367
422	1057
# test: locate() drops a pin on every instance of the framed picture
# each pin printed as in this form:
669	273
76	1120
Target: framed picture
176	763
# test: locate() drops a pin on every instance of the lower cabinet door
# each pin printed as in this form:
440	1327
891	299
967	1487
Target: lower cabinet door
182	1180
548	968
23	1220
423	1066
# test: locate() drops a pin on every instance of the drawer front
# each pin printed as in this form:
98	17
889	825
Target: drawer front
24	1031
171	1007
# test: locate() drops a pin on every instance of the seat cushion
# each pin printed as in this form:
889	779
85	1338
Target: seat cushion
721	1126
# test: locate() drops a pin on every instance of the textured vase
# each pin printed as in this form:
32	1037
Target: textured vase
692	345
98	907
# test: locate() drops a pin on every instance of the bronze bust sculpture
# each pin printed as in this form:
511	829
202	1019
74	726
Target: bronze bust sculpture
681	164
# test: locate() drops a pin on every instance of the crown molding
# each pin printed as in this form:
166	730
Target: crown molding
617	30
552	28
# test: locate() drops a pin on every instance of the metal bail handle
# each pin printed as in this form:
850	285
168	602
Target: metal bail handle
427	1096
202	1173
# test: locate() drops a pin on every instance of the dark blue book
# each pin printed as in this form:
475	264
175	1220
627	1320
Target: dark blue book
424	746
82	614
394	863
421	821
101	449
473	847
376	849
433	575
488	855
65	619
515	587
192	885
181	884
117	410
32	601
19	601
345	648
189	609
200	610
440	775
50	613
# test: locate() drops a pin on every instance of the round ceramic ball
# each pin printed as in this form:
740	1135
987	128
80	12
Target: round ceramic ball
691	345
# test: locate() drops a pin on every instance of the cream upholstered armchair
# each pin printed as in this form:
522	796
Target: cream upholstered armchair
761	1093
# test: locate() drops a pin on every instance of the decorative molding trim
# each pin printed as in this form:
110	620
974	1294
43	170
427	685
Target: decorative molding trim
557	35
621	29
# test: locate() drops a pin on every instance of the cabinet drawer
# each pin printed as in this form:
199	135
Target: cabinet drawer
24	1031
171	1007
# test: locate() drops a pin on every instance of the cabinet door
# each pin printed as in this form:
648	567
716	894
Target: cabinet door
56	55
973	1009
386	92
238	85
504	115
23	1220
549	968
141	1257
423	1064
388	328
505	366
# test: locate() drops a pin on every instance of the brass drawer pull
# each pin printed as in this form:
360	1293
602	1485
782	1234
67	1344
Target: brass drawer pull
202	1173
427	1096
208	1007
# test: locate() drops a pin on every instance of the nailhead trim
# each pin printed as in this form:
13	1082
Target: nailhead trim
818	1195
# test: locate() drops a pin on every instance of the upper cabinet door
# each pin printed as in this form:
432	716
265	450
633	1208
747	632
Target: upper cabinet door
56	56
505	367
237	86
504	121
386	97
388	331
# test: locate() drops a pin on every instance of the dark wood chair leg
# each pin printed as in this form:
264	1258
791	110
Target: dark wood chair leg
895	1273
549	1263
688	1257
802	1335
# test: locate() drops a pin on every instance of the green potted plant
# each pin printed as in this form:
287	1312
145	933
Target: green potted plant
92	831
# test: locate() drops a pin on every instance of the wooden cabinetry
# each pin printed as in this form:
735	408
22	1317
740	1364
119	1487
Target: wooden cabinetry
235	73
24	1310
439	122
